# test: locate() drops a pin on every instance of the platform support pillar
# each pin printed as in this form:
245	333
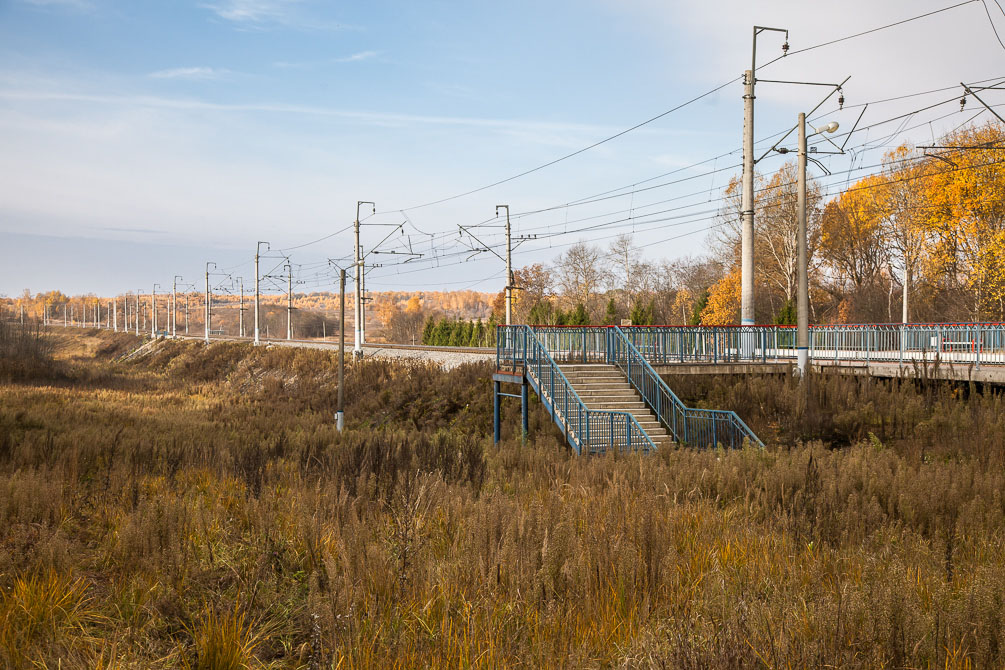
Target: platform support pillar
524	409
496	432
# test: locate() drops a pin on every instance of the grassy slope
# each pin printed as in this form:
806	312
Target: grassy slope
197	507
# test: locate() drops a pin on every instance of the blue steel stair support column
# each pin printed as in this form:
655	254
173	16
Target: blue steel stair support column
495	413
524	418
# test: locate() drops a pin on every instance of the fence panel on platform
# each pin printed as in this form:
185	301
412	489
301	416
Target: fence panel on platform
510	342
969	343
667	345
574	344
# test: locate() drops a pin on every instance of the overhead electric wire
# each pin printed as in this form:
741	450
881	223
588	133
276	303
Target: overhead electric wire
641	219
696	193
676	108
955	87
615	193
992	22
633	189
711	215
320	239
674	237
715	213
870	31
574	153
604	195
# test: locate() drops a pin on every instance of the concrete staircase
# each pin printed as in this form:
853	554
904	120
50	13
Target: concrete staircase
605	387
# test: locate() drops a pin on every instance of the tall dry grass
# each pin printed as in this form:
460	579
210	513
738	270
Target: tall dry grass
919	417
26	351
215	518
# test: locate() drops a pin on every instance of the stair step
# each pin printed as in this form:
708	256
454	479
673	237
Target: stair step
605	397
616	405
604	387
605	373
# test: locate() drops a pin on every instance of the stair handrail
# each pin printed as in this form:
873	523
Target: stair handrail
534	352
660	398
579	434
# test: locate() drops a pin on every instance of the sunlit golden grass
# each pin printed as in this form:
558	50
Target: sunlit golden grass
223	641
223	522
40	612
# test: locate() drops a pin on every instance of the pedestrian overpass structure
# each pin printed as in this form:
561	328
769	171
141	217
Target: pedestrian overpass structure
605	386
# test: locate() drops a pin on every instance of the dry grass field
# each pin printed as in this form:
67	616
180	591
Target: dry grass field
196	508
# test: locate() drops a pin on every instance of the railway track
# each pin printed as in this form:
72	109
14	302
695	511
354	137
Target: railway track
328	344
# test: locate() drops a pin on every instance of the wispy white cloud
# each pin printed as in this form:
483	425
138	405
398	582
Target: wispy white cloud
304	65
77	5
356	57
200	72
545	131
265	14
252	11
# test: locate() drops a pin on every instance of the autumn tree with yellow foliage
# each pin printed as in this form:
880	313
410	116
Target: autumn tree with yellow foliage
723	305
965	217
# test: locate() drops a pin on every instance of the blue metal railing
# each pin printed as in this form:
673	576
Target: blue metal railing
966	343
691	426
593	431
574	344
662	345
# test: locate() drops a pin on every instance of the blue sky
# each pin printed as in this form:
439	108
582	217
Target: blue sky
174	133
